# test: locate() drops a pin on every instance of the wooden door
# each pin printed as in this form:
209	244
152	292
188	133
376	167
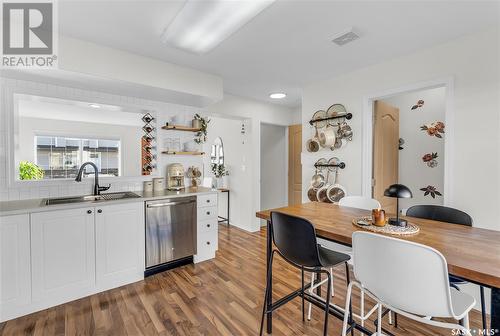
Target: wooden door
294	164
62	255
385	153
119	244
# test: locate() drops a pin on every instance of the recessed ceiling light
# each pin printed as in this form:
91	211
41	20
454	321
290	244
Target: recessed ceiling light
95	106
201	25
277	95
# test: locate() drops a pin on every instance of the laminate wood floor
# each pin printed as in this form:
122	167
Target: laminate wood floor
219	297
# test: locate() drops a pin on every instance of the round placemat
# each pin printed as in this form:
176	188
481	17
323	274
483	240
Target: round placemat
409	229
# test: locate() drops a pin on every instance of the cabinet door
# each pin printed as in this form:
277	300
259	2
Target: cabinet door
63	255
119	244
15	277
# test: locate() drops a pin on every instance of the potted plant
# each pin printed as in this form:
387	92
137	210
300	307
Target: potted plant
202	124
30	171
220	172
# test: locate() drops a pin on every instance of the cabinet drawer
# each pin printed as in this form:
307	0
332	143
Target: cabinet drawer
207	242
207	213
208	225
207	200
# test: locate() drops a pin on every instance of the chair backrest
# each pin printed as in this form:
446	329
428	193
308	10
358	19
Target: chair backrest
295	238
409	276
359	202
440	213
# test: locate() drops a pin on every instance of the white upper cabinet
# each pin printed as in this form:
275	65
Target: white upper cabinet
15	277
119	244
63	255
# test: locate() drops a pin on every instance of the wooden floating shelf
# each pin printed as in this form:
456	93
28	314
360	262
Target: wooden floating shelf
180	128
182	153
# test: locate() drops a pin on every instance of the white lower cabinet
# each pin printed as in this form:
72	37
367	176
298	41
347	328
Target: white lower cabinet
53	257
62	255
207	228
119	244
15	276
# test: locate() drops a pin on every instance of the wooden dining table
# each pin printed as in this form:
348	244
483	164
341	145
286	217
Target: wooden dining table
473	254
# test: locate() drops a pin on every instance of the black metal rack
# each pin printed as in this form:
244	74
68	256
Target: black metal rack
347	116
341	165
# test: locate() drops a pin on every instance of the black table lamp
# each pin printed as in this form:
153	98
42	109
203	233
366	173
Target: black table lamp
398	191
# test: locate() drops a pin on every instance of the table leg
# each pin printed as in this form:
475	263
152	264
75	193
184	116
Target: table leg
228	208
269	281
495	310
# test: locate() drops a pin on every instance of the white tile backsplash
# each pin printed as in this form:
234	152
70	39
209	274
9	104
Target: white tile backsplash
164	112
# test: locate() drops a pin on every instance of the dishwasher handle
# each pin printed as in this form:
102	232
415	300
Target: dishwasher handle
159	205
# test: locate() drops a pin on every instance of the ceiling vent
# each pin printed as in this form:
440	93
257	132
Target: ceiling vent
345	37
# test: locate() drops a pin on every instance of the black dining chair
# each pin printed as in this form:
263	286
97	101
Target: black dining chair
295	241
452	216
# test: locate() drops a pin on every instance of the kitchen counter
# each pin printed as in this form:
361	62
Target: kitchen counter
37	205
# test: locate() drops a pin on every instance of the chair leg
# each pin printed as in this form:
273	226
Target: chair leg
313	277
267	292
327	305
302	290
465	324
362	307
379	320
348	281
483	308
331	283
346	309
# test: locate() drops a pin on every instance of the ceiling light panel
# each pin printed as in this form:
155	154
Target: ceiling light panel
201	25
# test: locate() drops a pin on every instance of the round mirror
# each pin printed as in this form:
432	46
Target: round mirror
217	152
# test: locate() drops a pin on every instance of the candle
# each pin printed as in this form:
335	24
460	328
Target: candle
378	217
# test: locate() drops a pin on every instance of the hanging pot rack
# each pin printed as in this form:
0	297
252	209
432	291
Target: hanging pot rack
340	165
347	116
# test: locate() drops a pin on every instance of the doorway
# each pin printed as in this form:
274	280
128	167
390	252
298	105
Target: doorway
409	131
273	166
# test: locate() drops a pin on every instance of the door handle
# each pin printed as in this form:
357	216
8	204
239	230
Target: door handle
159	205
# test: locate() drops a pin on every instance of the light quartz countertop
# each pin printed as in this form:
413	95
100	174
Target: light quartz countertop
38	204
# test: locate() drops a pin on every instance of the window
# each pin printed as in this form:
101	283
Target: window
61	157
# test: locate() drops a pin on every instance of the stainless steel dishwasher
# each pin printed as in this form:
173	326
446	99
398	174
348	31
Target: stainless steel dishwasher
170	233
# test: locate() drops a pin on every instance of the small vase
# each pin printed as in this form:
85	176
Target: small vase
225	182
196	123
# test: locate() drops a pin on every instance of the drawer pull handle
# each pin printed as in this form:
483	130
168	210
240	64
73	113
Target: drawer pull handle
99	211
208	225
208	201
89	211
208	213
208	243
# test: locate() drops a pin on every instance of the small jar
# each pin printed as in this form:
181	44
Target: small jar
158	184
147	186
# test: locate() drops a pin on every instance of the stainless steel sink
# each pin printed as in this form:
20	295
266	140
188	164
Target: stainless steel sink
90	198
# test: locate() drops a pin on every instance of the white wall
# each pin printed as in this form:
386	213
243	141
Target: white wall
473	62
413	172
236	156
79	56
273	166
254	113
